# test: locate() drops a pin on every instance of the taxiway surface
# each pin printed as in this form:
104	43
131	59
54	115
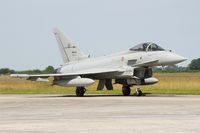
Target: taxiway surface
97	114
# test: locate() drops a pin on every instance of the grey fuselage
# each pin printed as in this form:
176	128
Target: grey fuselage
126	61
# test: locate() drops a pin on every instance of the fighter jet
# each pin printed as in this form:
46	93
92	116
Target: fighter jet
132	67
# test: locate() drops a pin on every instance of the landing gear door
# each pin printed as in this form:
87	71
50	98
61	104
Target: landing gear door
128	72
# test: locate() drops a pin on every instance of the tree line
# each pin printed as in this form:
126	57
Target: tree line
47	70
192	67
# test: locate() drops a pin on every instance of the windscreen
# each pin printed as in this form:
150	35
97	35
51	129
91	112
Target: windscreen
155	47
147	47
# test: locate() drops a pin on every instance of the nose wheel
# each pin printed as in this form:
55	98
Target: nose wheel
138	92
80	91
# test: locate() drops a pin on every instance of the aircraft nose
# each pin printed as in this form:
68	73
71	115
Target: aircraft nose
178	58
170	58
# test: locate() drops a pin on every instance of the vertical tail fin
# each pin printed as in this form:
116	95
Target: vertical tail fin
69	51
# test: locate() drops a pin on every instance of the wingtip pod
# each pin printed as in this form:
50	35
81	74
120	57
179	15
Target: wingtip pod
19	76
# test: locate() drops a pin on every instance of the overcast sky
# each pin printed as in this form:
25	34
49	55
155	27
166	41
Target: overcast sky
98	27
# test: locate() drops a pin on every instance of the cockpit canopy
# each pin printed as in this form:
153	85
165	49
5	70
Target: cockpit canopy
147	47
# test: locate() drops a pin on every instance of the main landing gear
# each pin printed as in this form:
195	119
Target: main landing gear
126	90
80	91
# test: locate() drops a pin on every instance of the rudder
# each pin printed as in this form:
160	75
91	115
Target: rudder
69	52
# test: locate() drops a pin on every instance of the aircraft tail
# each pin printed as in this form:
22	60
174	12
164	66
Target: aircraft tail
69	52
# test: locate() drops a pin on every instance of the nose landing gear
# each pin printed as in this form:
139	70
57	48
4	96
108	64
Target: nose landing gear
139	92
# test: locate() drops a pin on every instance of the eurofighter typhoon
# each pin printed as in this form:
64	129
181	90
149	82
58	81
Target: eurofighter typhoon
128	68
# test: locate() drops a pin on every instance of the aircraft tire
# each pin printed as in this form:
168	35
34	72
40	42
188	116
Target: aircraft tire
126	90
80	91
139	93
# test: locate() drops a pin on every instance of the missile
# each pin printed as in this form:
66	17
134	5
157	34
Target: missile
78	82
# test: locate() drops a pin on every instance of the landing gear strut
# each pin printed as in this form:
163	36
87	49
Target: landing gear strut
126	90
138	92
80	91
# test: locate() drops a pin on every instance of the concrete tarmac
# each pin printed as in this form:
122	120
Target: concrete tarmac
99	114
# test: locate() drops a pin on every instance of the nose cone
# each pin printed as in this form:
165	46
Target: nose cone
171	59
178	58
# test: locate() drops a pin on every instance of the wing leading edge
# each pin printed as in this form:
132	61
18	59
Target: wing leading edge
85	72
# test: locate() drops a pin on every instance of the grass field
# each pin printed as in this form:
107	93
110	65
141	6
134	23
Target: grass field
169	83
